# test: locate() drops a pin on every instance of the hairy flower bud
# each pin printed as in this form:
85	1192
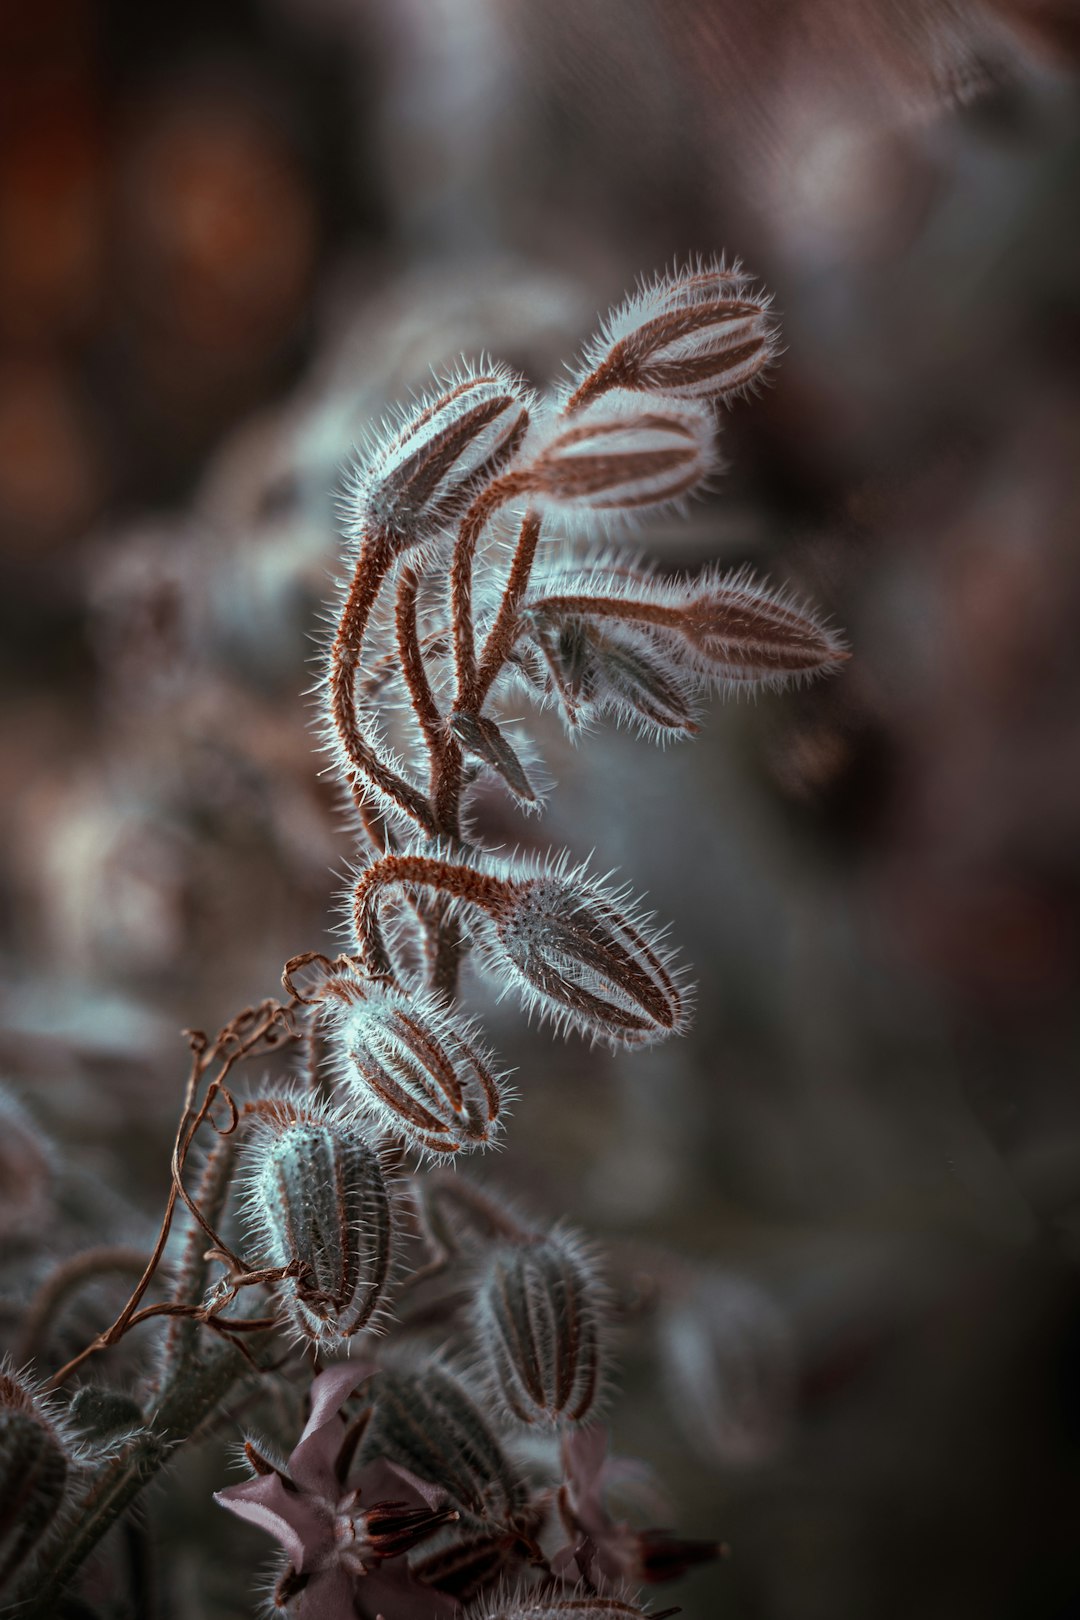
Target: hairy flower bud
703	333
34	1461
416	482
737	631
579	956
415	1069
606	668
623	454
538	1319
318	1203
423	1419
469	1564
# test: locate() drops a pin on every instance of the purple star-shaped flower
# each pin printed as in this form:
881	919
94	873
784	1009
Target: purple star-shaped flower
331	1538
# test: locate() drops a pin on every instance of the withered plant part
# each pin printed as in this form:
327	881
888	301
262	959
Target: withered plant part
433	632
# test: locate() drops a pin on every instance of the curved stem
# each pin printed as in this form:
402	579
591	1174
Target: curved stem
480	513
503	632
377	554
454	880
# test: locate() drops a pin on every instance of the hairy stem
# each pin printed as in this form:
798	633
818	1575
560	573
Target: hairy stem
455	881
377	554
185	1402
503	632
480	513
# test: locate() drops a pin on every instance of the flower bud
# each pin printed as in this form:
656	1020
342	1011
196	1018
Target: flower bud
618	670
415	1069
417	481
425	1421
538	1316
318	1203
623	454
34	1462
702	333
737	631
468	1565
577	956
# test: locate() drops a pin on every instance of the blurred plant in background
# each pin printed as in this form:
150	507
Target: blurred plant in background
865	1149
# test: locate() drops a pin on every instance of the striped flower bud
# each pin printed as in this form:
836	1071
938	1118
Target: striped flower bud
579	956
415	482
538	1319
468	1564
318	1204
624	454
737	631
703	333
423	1419
414	1069
35	1456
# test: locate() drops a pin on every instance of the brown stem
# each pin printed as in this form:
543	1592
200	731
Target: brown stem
480	513
503	632
412	665
455	880
611	607
377	554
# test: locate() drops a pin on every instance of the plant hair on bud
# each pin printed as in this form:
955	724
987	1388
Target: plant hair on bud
704	332
584	956
414	1069
319	1209
540	1322
623	454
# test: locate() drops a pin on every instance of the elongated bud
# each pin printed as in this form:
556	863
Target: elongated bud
34	1463
391	1529
539	1318
416	482
577	954
624	453
318	1203
416	1070
704	333
740	632
424	1419
616	670
481	736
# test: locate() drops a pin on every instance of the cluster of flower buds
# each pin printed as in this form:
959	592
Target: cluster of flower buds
436	501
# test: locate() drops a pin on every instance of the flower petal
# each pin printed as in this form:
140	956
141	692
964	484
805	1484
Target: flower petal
311	1464
284	1514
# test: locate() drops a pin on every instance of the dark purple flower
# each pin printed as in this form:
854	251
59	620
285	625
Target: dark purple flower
330	1536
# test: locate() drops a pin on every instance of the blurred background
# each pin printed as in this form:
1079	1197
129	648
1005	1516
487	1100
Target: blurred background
229	237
